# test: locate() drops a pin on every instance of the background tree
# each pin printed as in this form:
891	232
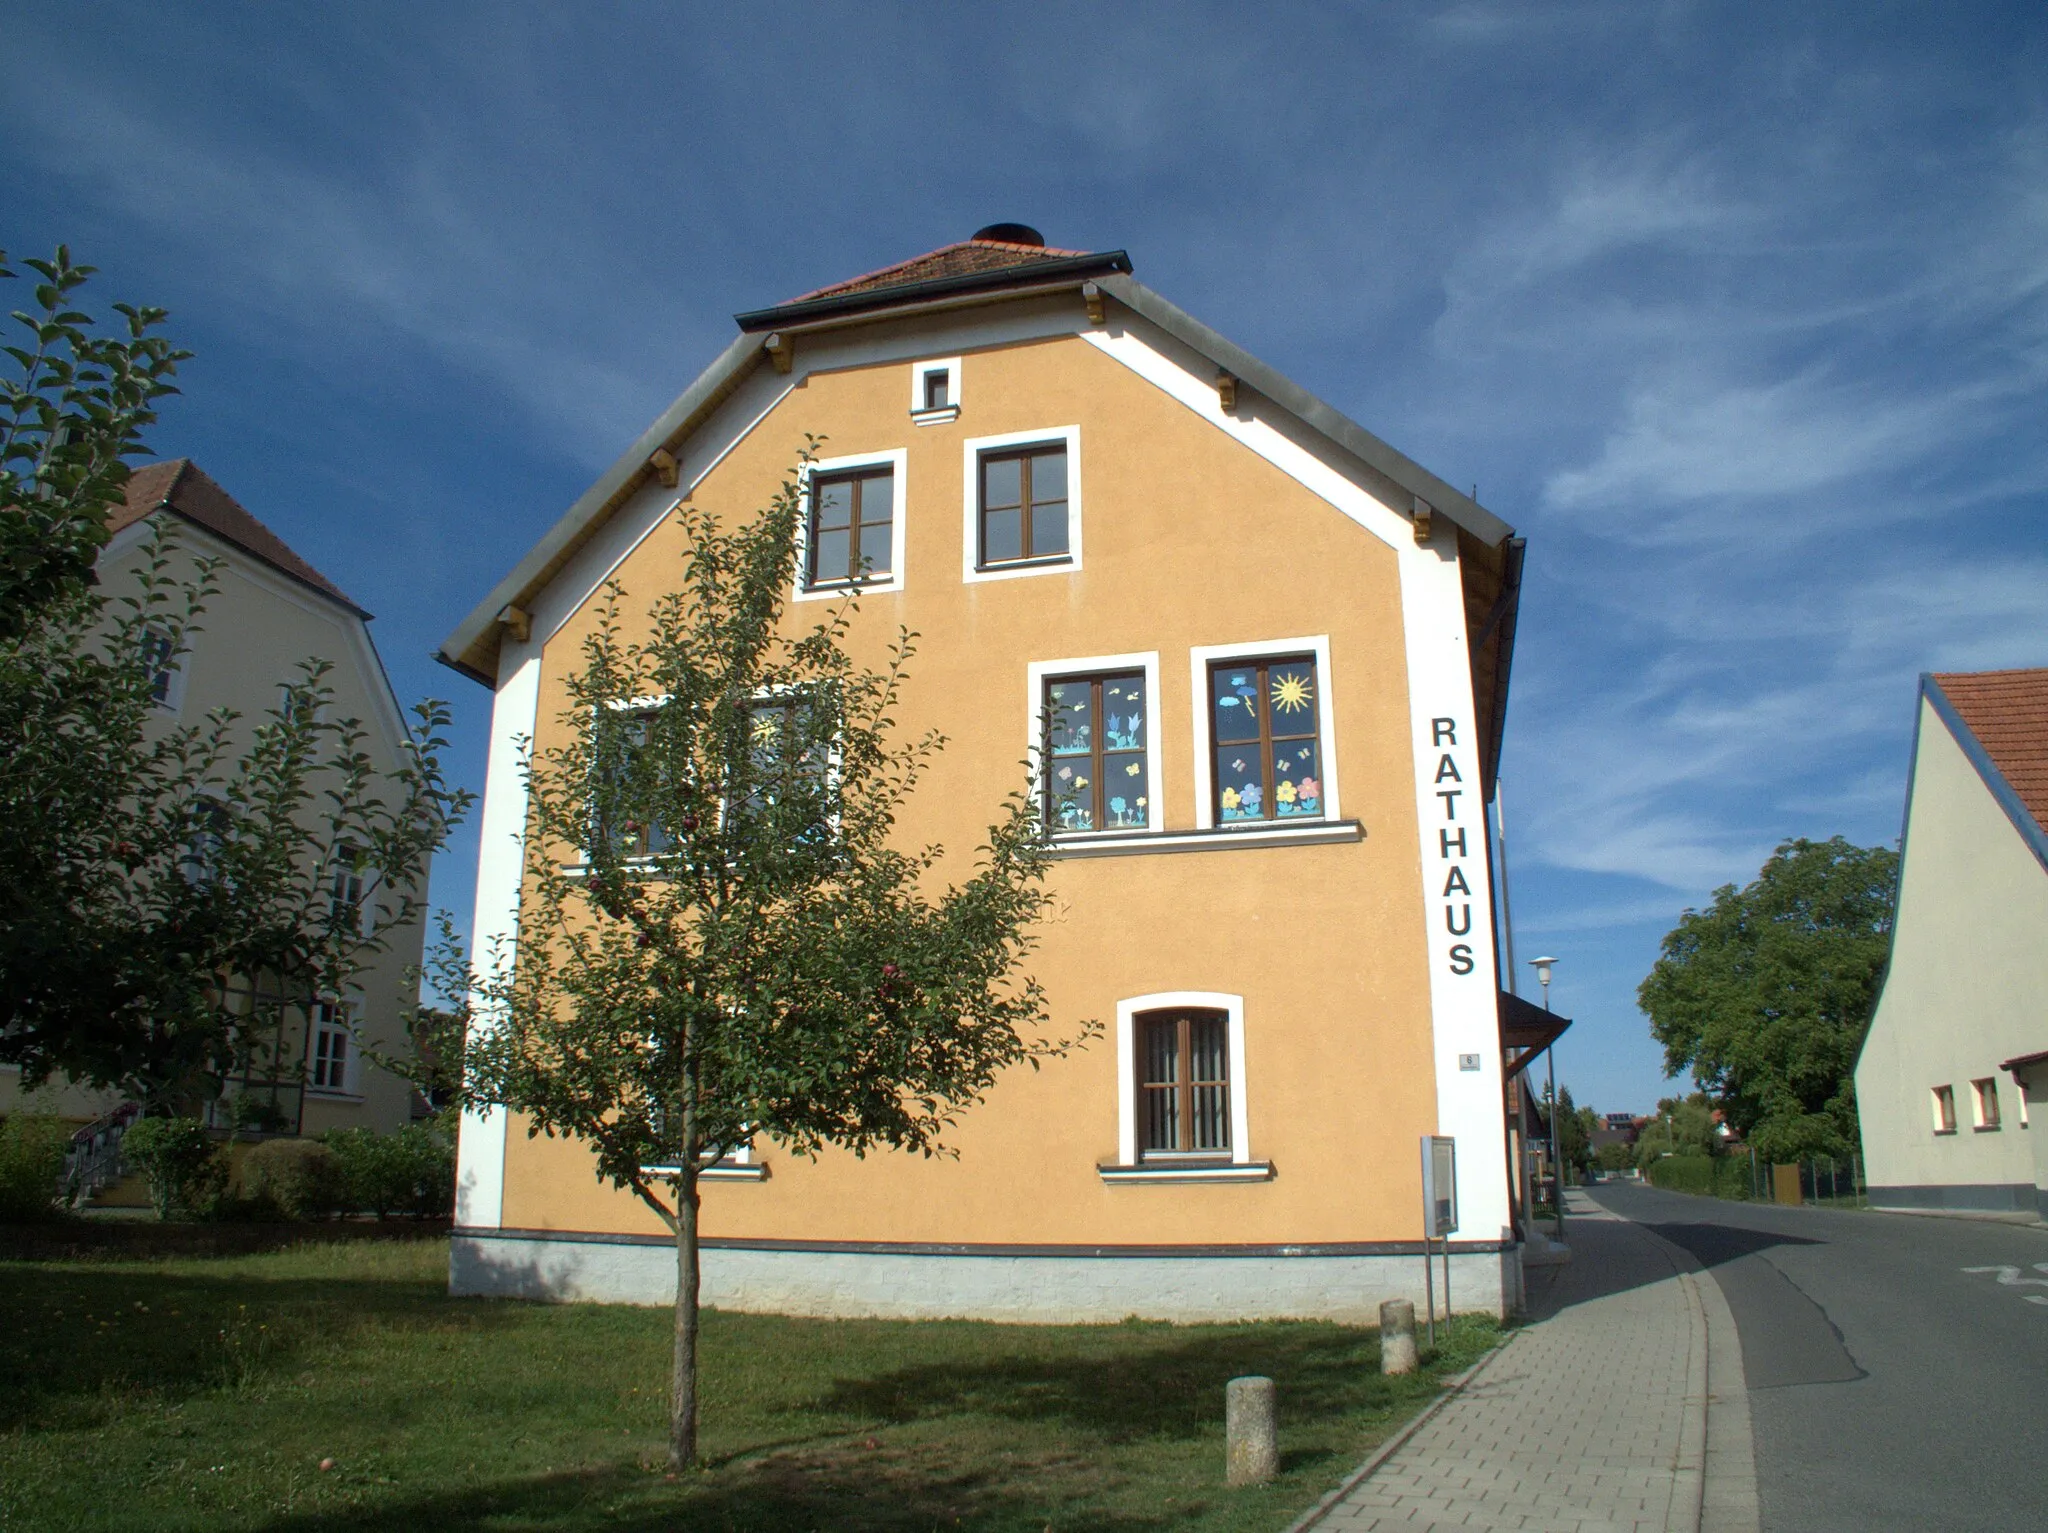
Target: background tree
1682	1126
723	935
1575	1129
140	865
69	422
1767	993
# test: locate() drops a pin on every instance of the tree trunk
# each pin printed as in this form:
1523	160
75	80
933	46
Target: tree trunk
682	1411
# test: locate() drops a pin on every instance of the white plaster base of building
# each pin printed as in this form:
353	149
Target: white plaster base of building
1037	1286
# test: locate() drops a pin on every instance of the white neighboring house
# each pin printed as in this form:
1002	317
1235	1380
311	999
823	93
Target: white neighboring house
1957	1054
272	610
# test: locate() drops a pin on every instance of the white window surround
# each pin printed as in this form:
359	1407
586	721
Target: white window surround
739	1166
1943	1103
1199	659
1984	1115
1240	1167
950	410
895	459
1038	673
970	512
834	761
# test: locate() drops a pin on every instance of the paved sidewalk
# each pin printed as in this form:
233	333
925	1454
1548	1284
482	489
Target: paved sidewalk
1595	1417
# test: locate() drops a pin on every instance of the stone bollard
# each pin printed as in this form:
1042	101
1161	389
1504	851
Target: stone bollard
1397	1336
1251	1431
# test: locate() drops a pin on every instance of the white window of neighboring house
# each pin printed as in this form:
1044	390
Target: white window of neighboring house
1094	738
332	1067
1984	1102
206	842
1021	513
852	534
935	391
1944	1104
346	892
293	704
166	669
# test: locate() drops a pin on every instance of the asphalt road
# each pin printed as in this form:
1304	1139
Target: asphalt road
1890	1385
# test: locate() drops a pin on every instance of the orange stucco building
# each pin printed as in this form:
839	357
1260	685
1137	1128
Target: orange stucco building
1272	657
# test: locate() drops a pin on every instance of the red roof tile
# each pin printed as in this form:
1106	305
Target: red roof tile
964	259
186	489
2008	713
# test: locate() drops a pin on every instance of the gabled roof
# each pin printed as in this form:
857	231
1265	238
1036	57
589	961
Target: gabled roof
974	265
182	486
960	259
984	269
2000	719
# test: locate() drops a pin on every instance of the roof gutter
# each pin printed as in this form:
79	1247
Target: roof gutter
1311	411
1507	611
580	522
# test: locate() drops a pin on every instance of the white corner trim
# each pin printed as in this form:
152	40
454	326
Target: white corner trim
1127	1068
1452	835
1199	659
1039	672
970	504
919	371
897	460
501	866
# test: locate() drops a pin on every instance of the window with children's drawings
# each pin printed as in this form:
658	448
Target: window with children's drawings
1264	720
1097	736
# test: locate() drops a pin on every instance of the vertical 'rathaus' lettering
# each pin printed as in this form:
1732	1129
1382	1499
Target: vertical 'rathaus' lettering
1452	844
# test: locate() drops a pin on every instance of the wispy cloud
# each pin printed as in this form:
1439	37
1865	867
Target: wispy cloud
347	259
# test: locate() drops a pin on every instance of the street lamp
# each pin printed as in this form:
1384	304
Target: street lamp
1542	967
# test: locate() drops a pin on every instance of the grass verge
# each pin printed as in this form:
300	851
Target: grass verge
203	1392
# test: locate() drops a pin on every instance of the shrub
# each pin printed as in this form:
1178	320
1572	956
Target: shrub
432	1154
300	1178
32	1147
411	1170
178	1159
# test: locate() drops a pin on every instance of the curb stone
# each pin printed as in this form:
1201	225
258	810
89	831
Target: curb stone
1728	1500
1453	1387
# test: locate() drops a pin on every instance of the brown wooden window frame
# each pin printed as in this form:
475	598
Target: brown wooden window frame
1098	749
1269	808
1182	1089
1023	456
855	575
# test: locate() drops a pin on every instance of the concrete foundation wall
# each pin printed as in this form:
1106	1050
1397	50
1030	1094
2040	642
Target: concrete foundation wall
1959	1197
1037	1288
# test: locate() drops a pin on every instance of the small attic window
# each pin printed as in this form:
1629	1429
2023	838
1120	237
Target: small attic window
935	391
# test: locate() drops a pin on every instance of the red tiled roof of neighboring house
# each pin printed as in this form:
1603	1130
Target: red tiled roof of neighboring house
2008	713
182	486
963	259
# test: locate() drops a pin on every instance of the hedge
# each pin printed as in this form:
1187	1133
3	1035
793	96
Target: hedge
32	1147
1701	1175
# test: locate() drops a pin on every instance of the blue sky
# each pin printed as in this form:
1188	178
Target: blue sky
1739	313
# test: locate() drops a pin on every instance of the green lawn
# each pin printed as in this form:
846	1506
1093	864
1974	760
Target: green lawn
198	1392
